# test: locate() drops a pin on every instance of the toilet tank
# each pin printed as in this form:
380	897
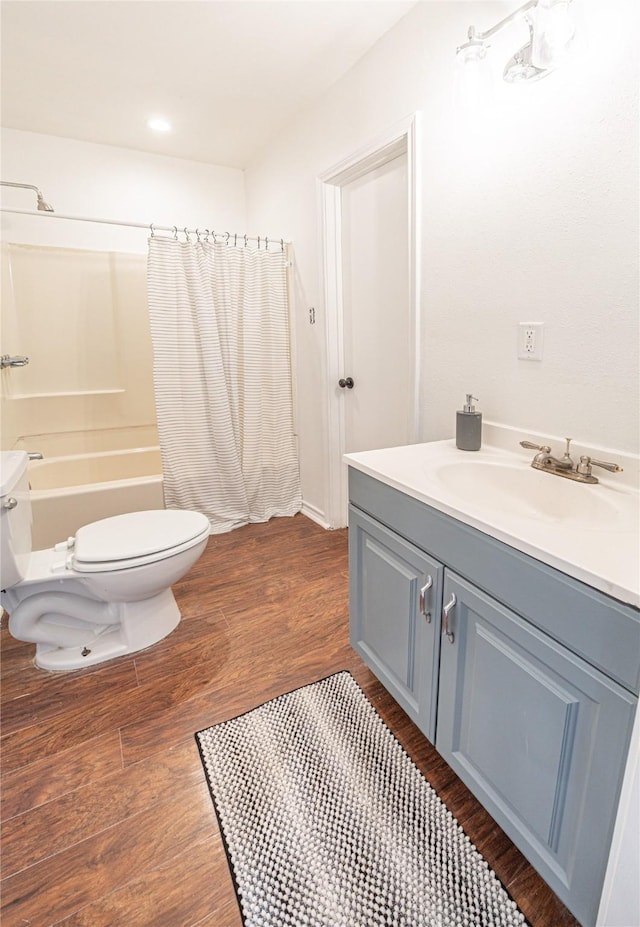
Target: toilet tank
15	518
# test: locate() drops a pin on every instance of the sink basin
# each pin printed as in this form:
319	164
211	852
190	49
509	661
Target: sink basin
590	532
521	491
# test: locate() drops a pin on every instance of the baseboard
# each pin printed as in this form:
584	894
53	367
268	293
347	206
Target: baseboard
315	515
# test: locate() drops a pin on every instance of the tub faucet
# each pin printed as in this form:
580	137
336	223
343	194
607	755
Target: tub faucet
34	455
18	361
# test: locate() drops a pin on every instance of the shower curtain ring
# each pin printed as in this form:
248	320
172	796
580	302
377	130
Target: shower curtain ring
186	233
198	234
282	245
266	243
206	235
175	232
227	237
152	230
245	241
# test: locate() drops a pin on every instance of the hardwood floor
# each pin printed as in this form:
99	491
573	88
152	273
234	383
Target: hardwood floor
107	819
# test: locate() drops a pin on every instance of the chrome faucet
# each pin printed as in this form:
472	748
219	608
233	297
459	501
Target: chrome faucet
17	361
564	466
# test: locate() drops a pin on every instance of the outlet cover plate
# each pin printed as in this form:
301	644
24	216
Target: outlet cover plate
530	341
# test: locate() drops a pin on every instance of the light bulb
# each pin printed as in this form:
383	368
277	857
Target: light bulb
553	31
473	80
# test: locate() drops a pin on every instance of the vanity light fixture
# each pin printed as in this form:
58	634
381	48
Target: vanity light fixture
159	124
551	31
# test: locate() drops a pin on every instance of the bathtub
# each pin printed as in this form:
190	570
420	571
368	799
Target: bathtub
72	490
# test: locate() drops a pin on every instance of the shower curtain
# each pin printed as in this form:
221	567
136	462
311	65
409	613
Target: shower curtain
222	380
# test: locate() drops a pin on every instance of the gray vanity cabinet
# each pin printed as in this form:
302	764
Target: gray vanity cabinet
537	735
527	685
395	596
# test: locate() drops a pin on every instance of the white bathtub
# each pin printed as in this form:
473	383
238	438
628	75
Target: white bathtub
73	490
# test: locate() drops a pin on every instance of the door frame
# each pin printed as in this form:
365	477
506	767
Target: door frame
402	138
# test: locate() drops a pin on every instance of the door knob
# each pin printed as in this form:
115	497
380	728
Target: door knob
348	383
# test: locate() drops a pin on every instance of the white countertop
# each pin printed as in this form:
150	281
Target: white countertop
590	532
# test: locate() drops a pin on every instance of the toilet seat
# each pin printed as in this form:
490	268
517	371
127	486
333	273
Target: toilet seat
135	539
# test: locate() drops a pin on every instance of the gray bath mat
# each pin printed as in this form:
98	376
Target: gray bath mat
328	823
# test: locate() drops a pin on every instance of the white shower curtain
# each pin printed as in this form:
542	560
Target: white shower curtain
222	380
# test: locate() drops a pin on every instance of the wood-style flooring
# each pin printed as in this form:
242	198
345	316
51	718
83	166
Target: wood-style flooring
107	819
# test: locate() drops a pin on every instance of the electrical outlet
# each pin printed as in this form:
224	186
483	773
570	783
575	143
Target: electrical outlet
530	340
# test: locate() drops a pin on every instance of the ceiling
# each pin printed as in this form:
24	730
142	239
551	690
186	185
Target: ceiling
227	74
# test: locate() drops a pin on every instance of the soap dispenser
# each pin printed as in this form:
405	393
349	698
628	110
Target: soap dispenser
469	426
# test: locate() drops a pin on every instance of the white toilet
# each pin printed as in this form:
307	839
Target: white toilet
99	595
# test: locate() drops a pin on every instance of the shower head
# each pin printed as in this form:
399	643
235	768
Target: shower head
42	205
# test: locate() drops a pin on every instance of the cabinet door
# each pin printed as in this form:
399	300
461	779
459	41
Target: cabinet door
395	591
538	735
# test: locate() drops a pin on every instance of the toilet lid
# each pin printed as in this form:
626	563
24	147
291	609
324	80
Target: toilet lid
136	535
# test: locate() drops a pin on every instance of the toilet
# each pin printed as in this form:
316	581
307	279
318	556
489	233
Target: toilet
105	592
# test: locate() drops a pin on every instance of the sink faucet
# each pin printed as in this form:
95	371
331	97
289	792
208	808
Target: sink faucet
564	466
545	460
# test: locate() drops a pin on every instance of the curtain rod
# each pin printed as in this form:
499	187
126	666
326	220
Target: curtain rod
201	234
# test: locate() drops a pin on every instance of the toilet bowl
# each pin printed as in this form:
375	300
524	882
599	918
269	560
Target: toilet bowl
102	594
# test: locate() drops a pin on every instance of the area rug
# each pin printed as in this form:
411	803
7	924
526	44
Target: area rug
327	822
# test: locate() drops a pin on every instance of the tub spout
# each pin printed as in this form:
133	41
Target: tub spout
35	455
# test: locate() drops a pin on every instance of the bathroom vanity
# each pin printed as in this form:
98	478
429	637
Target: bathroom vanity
522	674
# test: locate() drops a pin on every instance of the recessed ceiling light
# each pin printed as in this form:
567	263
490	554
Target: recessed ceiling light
159	124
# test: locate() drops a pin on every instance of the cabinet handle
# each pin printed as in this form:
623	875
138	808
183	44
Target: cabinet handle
445	617
423	592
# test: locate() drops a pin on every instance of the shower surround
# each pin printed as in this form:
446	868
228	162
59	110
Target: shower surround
85	400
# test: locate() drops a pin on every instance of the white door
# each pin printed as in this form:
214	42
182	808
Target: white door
377	335
372	274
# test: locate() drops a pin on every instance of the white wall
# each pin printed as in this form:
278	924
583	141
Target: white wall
529	212
102	181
